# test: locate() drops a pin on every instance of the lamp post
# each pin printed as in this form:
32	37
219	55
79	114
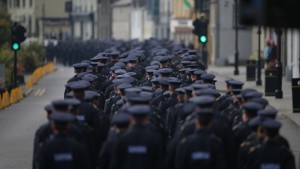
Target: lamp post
43	23
258	80
278	91
169	19
236	53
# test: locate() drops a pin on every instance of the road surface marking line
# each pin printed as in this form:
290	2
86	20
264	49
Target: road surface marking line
37	92
42	92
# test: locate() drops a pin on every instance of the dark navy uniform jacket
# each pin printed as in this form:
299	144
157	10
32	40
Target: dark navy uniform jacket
201	150
139	147
63	152
271	155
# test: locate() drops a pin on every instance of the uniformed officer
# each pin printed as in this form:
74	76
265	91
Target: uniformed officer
148	78
242	131
114	57
254	139
78	68
164	86
91	97
174	110
120	89
89	114
120	124
203	149
271	113
36	145
139	147
220	127
63	151
270	154
85	131
155	86
169	103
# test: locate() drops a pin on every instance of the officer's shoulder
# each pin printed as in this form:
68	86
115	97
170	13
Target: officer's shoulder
245	144
215	138
237	127
183	140
43	127
254	148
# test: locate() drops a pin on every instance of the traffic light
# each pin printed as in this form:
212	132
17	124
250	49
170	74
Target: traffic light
203	39
17	36
14	42
196	24
200	29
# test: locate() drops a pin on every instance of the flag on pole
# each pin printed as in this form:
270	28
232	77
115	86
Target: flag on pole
187	4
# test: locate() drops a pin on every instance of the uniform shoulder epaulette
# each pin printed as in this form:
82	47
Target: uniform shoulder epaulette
117	131
182	127
236	127
254	148
246	143
158	116
183	140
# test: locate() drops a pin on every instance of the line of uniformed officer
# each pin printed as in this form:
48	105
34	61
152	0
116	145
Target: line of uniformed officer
140	105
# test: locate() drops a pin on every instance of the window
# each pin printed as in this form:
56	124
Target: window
37	28
205	5
202	5
29	25
17	3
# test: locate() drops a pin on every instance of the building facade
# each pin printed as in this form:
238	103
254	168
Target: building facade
121	15
222	33
56	23
105	19
181	23
292	45
162	28
44	19
23	12
131	19
84	19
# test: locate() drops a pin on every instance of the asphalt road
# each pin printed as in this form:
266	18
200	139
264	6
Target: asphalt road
19	122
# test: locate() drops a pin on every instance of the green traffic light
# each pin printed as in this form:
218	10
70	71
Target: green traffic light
15	46
203	39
